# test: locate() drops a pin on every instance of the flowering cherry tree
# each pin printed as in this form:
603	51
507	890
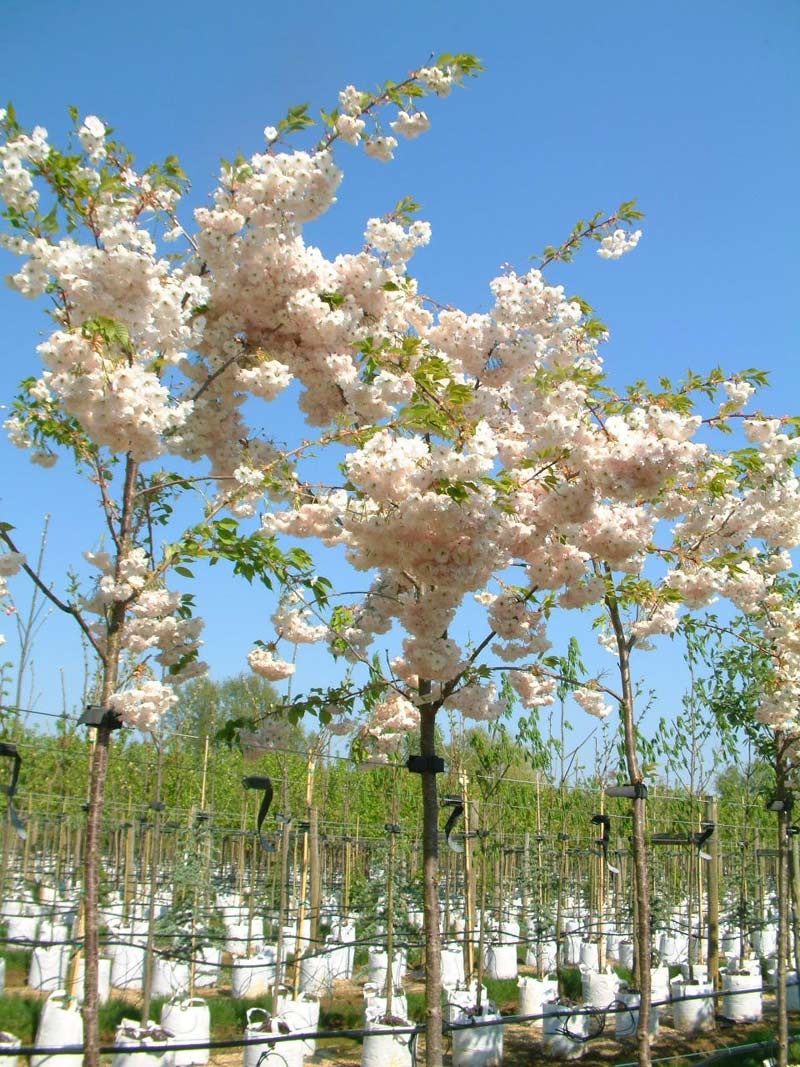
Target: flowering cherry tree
486	463
528	485
751	689
512	475
152	357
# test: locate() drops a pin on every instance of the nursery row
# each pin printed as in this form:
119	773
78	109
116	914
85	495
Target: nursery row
569	1011
273	889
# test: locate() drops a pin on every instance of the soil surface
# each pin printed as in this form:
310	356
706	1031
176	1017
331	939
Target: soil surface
523	1046
522	1043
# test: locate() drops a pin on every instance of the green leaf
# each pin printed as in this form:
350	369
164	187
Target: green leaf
297	118
333	300
405	210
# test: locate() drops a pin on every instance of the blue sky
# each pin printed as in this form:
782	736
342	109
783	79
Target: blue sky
689	108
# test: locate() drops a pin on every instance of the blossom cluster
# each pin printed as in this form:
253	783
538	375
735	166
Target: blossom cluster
592	701
144	705
271	733
391	719
777	617
478	702
264	662
155	635
292	623
10	564
616	244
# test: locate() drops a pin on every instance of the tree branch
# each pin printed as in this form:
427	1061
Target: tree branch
67	609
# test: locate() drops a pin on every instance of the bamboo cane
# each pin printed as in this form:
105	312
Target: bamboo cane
390	898
712	924
601	893
304	871
283	906
152	841
469	880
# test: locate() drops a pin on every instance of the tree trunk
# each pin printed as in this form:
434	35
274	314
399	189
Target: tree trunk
794	880
784	817
283	906
430	861
98	772
641	888
641	874
97	784
782	1057
389	987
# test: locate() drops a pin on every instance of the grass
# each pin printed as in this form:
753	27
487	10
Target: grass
18	962
416	1006
342	1015
570	984
20	1016
504	992
111	1014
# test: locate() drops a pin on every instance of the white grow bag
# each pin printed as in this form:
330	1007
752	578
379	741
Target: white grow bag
590	955
254	976
127	966
695	1013
625	953
563	1031
508	932
259	1025
659	984
501	962
189	1020
533	992
599	989
571	949
103	979
378	966
627	1017
340	958
384	1046
300	1014
48	967
60	1024
542	954
207	967
741	1002
452	967
137	1045
170	977
479	1045
376	1004
22	927
269	1052
316	977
